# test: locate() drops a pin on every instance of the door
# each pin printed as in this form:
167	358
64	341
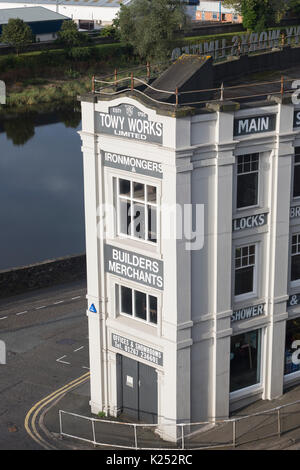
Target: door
138	390
147	394
130	387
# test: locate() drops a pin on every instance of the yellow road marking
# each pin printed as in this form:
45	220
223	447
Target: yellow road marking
37	438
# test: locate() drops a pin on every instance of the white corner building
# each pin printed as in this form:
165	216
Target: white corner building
185	331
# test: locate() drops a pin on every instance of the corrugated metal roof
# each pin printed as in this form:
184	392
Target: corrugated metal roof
92	3
30	14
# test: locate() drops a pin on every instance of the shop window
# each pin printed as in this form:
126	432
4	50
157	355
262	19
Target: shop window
137	304
245	270
296	189
137	208
247	180
245	360
292	344
295	261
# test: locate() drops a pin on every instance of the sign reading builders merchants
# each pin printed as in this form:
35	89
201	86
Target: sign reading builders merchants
128	121
133	164
136	349
254	125
248	312
137	268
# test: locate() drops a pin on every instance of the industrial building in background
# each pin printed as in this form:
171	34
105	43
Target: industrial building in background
214	10
93	14
44	23
189	321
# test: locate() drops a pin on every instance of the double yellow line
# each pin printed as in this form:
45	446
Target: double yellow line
31	417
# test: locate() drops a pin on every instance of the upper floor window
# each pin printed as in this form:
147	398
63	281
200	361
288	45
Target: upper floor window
295	261
245	270
137	304
247	180
137	210
296	189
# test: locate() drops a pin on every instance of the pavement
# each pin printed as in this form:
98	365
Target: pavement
46	337
47	369
251	433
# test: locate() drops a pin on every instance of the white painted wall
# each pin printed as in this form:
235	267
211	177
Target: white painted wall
104	14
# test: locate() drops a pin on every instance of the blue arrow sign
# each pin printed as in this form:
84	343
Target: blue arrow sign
93	308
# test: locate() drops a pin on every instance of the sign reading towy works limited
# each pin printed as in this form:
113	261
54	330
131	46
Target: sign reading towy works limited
128	121
135	267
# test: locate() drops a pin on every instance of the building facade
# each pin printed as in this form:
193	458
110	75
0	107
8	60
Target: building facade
43	23
88	14
214	10
188	328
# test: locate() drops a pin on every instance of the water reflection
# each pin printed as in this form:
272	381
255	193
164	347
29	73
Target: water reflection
41	188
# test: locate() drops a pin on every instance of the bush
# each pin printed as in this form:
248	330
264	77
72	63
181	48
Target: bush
80	53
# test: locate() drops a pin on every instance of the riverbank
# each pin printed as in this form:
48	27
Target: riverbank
48	78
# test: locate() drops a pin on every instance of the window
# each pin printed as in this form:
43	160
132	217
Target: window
244	270
292	344
247	180
245	360
137	207
296	190
295	262
137	304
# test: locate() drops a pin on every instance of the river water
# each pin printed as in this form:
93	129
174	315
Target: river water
41	189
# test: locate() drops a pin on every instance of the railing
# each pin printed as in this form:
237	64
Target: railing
130	83
231	432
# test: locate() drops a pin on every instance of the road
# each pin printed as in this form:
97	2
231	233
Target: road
46	340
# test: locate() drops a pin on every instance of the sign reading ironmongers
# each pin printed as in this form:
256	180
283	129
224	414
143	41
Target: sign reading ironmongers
134	164
249	222
254	125
137	349
248	312
128	121
135	267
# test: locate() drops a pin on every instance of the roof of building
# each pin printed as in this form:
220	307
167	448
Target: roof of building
30	14
86	3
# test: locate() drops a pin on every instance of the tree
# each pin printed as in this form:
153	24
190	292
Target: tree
151	26
69	35
294	7
259	14
16	33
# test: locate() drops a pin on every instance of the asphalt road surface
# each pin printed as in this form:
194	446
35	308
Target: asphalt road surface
46	339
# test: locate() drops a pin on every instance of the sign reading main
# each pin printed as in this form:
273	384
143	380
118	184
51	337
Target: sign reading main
137	349
128	121
251	221
248	312
254	125
138	268
133	164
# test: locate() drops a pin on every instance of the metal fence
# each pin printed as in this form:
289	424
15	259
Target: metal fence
231	432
